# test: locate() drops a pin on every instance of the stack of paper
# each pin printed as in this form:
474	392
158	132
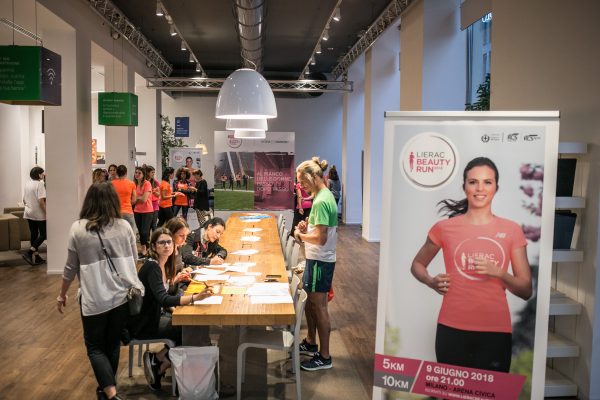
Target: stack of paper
245	252
204	278
243	280
250	238
210	300
253	229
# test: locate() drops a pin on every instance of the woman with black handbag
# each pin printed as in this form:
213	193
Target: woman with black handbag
102	253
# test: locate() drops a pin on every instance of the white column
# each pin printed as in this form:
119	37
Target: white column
147	133
68	142
120	140
352	144
10	156
382	80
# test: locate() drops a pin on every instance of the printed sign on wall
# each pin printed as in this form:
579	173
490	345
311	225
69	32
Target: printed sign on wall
465	255
254	173
182	126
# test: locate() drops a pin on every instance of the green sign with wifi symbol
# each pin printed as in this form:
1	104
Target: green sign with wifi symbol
30	75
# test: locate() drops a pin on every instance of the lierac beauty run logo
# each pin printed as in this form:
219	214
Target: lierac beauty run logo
233	142
429	161
479	247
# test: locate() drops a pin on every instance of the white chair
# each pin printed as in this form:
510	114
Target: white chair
279	221
293	258
277	340
140	343
288	250
294	286
283	237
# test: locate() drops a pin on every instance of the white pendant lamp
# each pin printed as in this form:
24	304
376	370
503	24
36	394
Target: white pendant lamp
242	134
202	147
247	124
245	94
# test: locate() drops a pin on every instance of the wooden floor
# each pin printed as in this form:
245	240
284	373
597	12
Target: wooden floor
43	355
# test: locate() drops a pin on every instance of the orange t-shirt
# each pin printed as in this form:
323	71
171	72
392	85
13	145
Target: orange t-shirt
166	187
475	302
124	188
145	207
181	200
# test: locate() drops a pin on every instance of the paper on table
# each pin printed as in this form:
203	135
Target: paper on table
208	271
238	268
244	264
243	280
271	299
204	278
210	300
250	238
245	252
253	229
251	220
233	290
269	289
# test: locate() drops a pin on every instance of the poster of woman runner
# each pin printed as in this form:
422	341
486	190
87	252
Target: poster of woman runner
465	264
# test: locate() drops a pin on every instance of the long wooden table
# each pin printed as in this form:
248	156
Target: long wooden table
236	309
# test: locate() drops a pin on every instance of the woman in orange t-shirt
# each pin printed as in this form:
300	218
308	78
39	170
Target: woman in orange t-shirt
474	327
182	185
126	191
143	210
165	204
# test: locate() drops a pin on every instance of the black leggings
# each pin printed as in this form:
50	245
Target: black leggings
143	221
37	230
164	214
184	211
472	349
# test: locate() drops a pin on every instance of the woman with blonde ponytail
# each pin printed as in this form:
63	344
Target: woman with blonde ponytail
319	235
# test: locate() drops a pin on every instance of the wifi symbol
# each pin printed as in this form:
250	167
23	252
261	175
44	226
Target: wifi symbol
51	75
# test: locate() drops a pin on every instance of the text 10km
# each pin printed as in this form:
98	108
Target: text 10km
392	382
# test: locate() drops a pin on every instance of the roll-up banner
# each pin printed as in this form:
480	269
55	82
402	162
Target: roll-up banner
254	174
466	255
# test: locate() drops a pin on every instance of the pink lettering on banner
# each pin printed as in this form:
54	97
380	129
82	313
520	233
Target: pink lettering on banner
454	382
397	365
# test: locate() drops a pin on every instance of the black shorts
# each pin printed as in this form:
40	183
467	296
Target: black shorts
318	276
473	349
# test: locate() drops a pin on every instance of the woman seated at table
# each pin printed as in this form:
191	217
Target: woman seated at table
202	245
180	230
154	321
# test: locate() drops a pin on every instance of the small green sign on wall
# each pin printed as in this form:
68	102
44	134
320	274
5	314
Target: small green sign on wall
117	109
30	75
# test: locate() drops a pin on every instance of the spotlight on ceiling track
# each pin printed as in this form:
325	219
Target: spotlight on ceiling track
198	69
318	49
159	10
183	46
172	31
192	58
326	34
336	15
312	60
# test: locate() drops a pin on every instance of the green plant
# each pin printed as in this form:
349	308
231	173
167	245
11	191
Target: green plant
483	97
167	140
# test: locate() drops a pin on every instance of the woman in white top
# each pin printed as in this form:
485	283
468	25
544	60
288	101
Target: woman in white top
34	197
103	287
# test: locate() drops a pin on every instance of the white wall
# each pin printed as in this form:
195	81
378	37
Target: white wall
317	123
545	57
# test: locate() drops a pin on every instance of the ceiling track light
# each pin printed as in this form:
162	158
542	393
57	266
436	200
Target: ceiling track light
192	58
337	16
312	60
183	46
172	30
326	34
198	68
159	9
318	48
